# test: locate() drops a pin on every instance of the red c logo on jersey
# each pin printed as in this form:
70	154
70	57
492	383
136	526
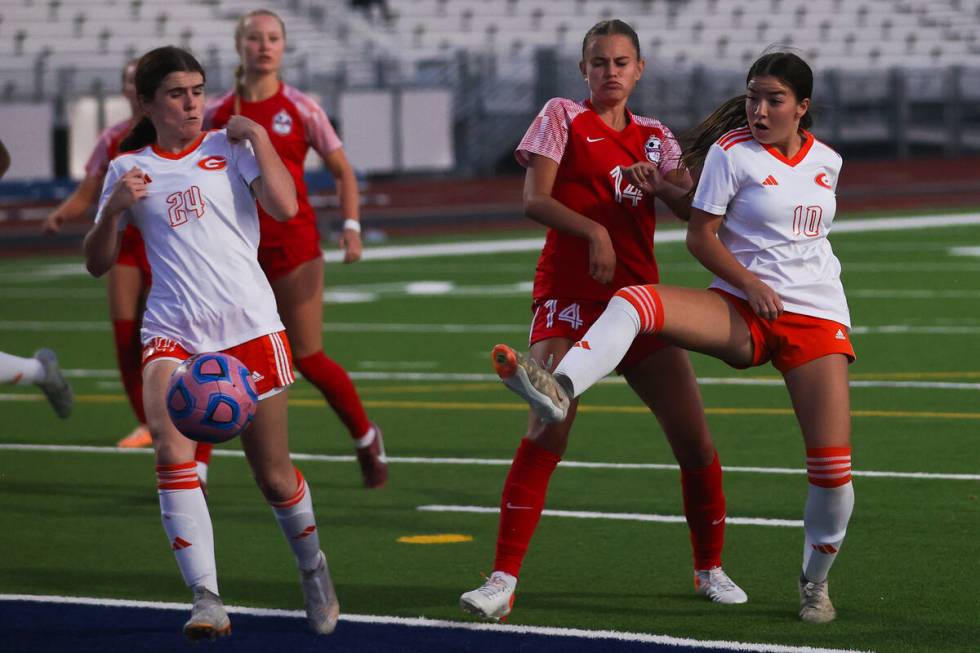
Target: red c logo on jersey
822	180
215	163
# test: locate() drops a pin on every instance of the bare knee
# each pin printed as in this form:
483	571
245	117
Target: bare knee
276	485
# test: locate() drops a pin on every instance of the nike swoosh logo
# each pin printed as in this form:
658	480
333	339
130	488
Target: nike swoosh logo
715	522
594	140
511	506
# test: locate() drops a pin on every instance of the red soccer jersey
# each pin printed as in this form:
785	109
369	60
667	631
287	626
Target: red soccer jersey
589	155
295	123
107	148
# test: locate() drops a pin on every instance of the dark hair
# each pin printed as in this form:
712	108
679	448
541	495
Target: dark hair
609	28
787	67
151	70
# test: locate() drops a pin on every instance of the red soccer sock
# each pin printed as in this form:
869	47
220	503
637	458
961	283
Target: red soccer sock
522	503
337	388
202	453
704	507
129	355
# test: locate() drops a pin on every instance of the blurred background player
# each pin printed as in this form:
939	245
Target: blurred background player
129	279
760	218
290	253
600	238
192	194
42	370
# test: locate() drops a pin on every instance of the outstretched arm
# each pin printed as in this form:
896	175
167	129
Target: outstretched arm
75	205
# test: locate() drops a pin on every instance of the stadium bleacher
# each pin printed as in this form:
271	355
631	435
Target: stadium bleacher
49	35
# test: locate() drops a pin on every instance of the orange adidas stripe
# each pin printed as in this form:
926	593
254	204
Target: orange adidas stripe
735	133
297	496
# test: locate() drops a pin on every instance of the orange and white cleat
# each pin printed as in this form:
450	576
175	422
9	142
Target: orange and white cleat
715	584
493	600
531	382
137	439
208	617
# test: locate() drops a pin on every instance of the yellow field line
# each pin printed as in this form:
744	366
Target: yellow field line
519	407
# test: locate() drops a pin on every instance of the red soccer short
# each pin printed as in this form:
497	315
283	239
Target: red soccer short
791	339
279	259
571	318
132	252
268	357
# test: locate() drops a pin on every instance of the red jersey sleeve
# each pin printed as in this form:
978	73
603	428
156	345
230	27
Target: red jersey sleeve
548	134
98	161
320	134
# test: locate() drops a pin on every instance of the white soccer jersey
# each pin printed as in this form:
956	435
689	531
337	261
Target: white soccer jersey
201	230
778	213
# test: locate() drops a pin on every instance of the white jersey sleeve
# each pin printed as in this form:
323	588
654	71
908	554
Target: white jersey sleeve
108	184
718	184
245	163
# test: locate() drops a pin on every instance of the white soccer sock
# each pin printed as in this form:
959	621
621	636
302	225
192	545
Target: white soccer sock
295	517
186	520
828	510
366	439
602	347
202	470
20	371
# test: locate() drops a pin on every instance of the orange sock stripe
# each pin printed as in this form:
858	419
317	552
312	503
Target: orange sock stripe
828	452
297	496
182	476
175	468
828	467
646	301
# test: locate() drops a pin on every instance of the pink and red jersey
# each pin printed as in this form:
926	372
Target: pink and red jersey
778	213
106	148
590	156
295	123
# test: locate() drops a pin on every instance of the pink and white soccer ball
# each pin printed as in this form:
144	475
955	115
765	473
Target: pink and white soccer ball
211	397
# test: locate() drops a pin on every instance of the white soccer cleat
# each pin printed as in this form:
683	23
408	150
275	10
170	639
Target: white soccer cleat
54	385
320	598
208	617
492	600
535	385
815	605
715	584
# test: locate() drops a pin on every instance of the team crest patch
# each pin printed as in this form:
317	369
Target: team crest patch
652	149
282	123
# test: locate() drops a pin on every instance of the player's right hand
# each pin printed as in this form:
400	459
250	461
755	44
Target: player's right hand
764	300
129	188
645	176
602	257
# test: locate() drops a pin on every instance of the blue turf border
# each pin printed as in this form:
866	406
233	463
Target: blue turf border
35	627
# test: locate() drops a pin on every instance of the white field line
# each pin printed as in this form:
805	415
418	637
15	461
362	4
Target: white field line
618	516
422	622
59	326
664	236
485	378
358	294
497	462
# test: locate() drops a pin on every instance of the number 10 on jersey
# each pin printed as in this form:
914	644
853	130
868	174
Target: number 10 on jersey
806	220
184	202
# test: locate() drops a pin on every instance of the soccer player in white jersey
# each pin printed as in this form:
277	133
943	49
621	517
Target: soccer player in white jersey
192	195
760	217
